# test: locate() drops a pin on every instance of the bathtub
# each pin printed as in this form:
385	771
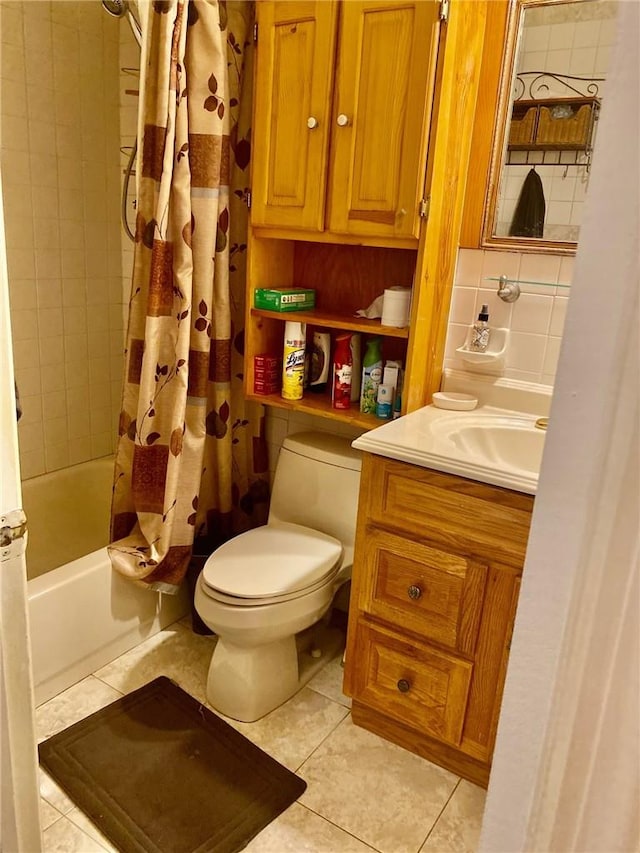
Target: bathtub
81	614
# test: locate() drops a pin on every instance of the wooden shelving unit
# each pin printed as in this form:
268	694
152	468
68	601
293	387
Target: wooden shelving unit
320	404
335	321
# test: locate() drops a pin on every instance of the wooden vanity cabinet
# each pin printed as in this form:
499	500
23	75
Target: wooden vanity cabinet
342	113
435	585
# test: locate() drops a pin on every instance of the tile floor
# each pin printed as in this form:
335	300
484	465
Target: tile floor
363	793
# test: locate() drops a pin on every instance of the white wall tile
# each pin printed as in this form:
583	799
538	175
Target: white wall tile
32	463
53	378
542	268
551	354
56	456
558	213
31	437
498	263
51	352
25	354
463	303
565	276
50	322
22	295
526	352
469	267
24	324
533	320
54	404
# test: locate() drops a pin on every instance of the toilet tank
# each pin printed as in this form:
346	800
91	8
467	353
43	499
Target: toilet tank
316	484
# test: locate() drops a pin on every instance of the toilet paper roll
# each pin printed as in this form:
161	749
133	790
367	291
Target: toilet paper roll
395	306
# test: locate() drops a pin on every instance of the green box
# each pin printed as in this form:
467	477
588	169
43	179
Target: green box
284	298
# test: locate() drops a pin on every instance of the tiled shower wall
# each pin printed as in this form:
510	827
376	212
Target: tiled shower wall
535	320
61	186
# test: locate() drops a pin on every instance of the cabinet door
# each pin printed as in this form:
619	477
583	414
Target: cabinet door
294	80
435	594
422	687
381	117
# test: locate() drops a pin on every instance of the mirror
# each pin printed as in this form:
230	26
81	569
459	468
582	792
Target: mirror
554	71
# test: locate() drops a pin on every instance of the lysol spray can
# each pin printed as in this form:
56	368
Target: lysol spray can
293	360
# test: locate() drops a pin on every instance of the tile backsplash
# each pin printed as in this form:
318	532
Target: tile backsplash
535	320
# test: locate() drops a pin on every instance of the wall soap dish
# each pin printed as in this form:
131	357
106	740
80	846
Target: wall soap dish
454	401
492	359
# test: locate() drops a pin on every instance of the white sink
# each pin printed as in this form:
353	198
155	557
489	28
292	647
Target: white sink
498	446
506	442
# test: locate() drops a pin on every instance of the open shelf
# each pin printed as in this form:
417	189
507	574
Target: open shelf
335	321
320	405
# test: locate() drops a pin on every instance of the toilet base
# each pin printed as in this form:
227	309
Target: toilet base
247	683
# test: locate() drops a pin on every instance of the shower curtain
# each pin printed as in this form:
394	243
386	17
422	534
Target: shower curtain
191	460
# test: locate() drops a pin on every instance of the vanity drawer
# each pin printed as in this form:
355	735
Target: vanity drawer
488	521
420	686
432	593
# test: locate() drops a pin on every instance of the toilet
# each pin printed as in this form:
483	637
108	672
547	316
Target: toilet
265	592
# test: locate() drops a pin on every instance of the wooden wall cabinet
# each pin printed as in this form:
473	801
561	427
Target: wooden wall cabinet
343	108
436	576
336	206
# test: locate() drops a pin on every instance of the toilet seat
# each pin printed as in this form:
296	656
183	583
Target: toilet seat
271	564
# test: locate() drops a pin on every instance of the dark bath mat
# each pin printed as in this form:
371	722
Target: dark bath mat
156	771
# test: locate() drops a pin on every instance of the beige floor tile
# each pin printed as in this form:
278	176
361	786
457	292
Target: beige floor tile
458	827
383	794
298	830
75	703
53	794
65	837
329	682
48	814
175	652
291	732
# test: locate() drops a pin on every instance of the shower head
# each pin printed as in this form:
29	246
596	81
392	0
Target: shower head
120	8
117	8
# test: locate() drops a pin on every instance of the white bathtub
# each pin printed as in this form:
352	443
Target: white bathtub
82	614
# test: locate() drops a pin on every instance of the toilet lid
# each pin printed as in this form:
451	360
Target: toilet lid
272	561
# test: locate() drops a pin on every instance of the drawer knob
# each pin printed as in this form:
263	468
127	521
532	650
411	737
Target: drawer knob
414	592
404	686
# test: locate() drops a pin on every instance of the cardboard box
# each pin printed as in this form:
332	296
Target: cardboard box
284	298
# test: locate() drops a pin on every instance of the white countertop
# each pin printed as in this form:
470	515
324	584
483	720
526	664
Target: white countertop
491	445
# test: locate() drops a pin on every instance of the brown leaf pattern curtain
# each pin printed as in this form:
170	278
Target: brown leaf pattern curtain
191	458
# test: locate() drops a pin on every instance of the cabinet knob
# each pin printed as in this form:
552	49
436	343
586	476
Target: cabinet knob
342	120
312	122
404	686
414	592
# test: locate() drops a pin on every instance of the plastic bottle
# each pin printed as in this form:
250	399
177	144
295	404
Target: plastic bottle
480	332
342	365
384	401
293	360
371	376
356	370
319	365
